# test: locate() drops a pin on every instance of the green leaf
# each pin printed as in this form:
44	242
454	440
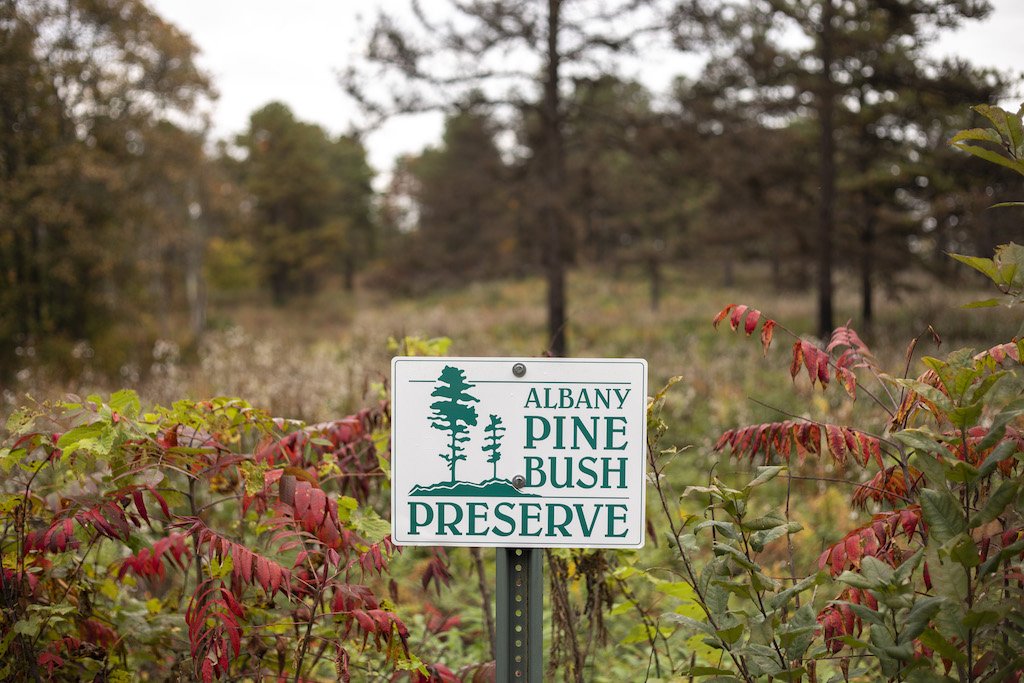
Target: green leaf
769	521
920	440
96	438
699	626
677	589
370	525
981	617
993	562
727	529
985	266
994	157
1004	494
997	429
942	514
919	617
764	475
984	303
730	635
1007	126
781	599
856	580
28	627
760	539
126	402
942	647
20	422
977	134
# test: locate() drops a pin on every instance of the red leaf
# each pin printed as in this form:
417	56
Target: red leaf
836	443
364	620
721	315
798	359
751	322
140	504
263	573
848	380
737	315
766	334
822	367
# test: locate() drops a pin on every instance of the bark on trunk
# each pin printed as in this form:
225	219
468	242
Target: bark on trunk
827	173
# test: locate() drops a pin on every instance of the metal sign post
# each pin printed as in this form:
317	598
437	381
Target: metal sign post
518	454
520	627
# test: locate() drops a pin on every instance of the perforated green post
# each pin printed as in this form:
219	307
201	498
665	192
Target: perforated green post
520	597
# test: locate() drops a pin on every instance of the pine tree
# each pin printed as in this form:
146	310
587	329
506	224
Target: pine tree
492	446
453	414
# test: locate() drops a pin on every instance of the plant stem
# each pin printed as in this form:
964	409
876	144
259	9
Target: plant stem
485	597
737	660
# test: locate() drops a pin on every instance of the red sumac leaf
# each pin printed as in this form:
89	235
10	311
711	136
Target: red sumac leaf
263	573
766	334
836	443
721	315
140	504
363	619
798	359
822	367
750	324
737	315
848	380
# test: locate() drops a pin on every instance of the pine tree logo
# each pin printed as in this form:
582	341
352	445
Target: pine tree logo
492	445
453	413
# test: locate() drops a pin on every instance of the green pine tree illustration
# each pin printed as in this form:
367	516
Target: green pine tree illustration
454	413
492	445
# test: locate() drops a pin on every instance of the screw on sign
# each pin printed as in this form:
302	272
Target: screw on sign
518	454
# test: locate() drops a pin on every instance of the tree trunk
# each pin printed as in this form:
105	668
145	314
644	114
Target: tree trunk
867	257
827	173
654	271
553	192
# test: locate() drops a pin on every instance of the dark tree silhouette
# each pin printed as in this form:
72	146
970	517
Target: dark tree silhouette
453	414
492	446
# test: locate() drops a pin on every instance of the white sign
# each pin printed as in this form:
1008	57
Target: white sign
520	452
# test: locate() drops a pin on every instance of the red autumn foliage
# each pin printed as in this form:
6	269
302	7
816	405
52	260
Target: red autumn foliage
888	486
838	619
149	562
876	539
783	438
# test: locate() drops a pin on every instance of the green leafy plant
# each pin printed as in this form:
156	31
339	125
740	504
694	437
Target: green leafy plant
930	588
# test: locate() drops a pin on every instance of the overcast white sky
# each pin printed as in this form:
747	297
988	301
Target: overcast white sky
263	50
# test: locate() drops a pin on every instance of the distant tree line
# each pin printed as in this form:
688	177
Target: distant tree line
824	154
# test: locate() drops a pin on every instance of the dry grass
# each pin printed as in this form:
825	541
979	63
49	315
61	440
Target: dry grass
319	359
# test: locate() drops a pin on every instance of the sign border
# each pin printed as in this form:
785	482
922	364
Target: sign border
520	542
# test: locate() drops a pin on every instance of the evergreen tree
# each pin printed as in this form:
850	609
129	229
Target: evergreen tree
311	214
454	413
859	58
492	445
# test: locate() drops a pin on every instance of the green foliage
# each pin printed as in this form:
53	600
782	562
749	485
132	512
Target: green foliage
924	591
312	202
